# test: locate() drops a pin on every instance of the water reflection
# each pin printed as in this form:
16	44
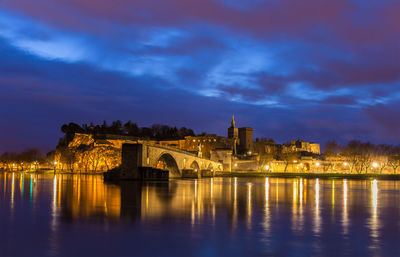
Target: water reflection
235	204
267	214
12	191
345	218
374	221
249	185
317	214
295	209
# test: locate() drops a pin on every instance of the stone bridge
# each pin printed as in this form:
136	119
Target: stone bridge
176	161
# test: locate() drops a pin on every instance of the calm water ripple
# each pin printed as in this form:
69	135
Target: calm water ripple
80	215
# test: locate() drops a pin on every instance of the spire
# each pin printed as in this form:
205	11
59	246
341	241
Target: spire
233	121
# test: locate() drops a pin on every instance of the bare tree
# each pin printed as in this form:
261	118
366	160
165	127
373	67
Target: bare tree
332	151
382	153
352	154
394	158
289	158
367	155
67	157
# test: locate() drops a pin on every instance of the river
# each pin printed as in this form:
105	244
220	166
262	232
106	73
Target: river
81	215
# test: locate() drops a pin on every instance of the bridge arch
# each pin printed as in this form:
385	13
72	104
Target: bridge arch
195	166
167	162
210	167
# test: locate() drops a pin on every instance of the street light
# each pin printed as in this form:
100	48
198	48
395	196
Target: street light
375	165
55	163
36	165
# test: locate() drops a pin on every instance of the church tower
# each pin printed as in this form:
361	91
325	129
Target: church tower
233	133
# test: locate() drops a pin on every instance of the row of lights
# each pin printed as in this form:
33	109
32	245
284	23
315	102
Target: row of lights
35	163
375	164
301	164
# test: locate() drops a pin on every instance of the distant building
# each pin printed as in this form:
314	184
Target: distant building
206	144
246	139
241	136
223	156
301	146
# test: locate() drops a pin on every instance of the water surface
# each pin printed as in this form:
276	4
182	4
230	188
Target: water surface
80	215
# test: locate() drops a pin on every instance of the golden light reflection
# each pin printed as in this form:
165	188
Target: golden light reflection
21	185
374	195
12	190
266	190
195	188
54	192
317	214
333	196
305	191
297	206
245	204
147	198
267	219
295	223
193	214
301	191
54	221
374	223
31	188
235	205
277	192
345	219
249	209
301	209
81	196
235	189
212	187
5	184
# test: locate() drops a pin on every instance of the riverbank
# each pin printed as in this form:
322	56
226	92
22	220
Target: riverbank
312	175
256	174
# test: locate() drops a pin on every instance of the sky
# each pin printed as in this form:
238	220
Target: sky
315	70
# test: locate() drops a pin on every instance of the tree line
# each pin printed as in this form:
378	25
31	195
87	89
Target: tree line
353	157
361	157
23	160
155	132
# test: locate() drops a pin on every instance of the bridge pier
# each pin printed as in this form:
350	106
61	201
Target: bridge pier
207	173
131	160
191	174
132	168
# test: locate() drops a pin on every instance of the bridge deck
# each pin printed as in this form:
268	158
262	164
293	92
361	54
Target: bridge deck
175	149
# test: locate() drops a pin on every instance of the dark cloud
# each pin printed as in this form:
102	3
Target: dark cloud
312	69
384	122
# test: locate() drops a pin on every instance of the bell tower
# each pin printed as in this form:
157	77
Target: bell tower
233	133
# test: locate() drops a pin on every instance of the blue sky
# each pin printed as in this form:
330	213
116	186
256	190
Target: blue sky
315	70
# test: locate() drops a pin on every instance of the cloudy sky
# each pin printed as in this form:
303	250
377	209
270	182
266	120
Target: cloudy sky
311	69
